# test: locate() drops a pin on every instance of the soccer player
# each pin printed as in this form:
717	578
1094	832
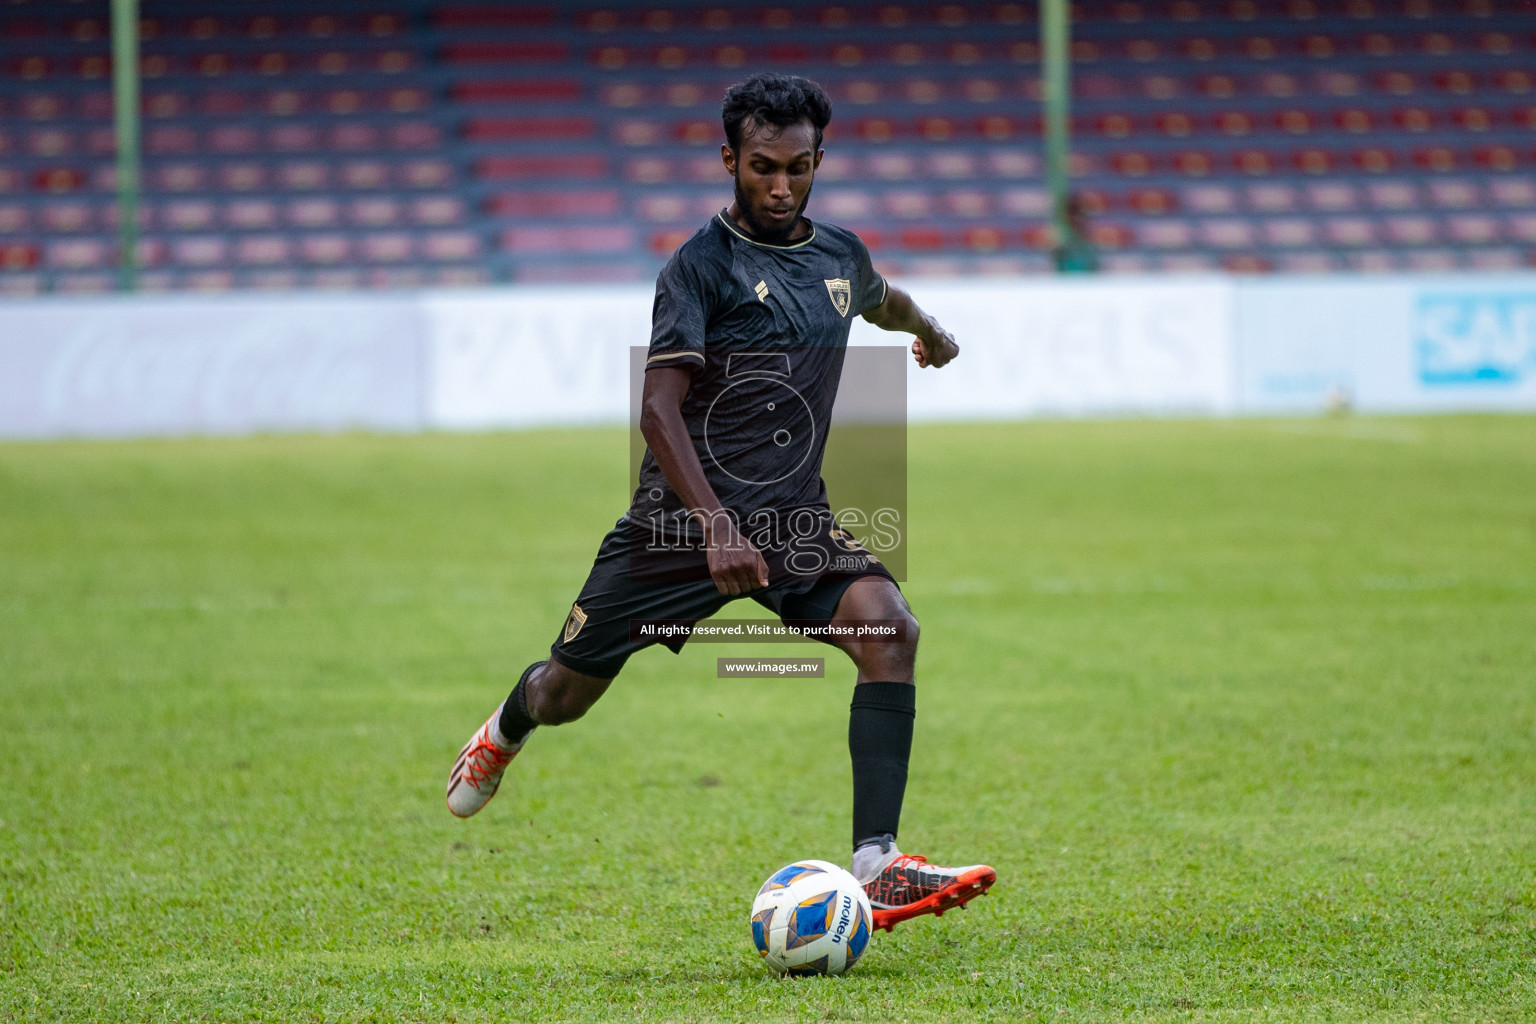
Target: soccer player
748	333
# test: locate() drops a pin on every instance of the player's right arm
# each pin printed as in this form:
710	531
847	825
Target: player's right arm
736	566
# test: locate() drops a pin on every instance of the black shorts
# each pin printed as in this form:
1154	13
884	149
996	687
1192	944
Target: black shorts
631	580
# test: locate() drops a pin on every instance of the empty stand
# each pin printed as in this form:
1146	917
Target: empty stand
367	143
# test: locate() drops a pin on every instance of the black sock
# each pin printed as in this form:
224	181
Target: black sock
516	723
880	742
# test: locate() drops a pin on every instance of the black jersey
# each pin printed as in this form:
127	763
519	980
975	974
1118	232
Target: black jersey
765	327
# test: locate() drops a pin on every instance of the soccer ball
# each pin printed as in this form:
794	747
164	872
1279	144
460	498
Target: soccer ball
811	917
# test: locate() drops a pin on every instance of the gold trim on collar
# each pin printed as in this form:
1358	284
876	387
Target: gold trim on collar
735	231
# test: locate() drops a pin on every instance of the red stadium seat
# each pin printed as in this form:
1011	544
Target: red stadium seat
1461	83
983	239
1514	80
1193	163
1373	159
1396	83
922	239
16	256
1153	201
1312	160
364	174
664	243
1496	158
908	205
544	166
1435	158
493	16
1253	162
1132	164
506	53
1354	120
527	129
518	90
1177	124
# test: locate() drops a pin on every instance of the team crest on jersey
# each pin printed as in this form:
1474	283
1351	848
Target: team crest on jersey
573	624
842	294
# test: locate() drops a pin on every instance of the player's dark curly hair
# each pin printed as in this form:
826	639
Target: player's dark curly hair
771	99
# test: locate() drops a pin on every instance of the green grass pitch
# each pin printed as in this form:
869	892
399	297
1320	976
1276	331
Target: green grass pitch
1243	712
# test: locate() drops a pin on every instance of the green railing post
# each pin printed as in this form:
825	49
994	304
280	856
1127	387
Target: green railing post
125	104
1056	76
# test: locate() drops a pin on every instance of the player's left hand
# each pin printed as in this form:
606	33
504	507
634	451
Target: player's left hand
937	352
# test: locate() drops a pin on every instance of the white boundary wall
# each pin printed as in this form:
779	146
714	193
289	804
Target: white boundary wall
517	357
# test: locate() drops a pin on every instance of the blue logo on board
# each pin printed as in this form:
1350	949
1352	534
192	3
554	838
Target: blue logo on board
1475	337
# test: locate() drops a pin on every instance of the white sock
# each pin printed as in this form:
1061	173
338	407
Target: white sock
500	740
869	861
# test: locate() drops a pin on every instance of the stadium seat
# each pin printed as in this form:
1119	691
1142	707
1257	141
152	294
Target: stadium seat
548	167
325	249
1166	234
1459	194
256	214
387	247
233	139
584	239
68	217
200	251
1411	230
1209	198
188	215
1513	192
1473	229
1227	233
14	217
450	246
1271	198
320	212
1025	202
1351	231
437	211
1332	196
263	250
